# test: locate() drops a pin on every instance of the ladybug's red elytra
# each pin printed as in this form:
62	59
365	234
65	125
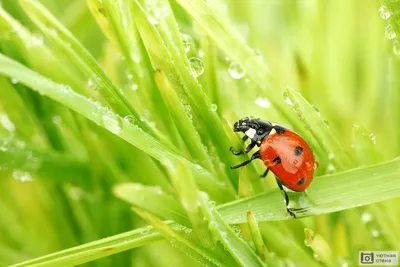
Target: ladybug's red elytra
283	151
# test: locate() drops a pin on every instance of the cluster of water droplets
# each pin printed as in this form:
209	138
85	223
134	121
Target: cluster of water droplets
22	176
385	13
368	219
157	12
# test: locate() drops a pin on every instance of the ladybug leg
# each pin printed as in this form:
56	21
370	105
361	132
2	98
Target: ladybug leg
247	150
244	138
253	157
280	185
265	173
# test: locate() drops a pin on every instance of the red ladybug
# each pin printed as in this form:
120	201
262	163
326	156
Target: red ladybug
283	151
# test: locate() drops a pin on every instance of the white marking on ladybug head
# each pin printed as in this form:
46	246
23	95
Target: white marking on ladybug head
251	132
273	131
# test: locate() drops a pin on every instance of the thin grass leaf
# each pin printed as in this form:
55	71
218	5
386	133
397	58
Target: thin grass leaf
54	166
256	236
110	121
95	250
191	249
237	247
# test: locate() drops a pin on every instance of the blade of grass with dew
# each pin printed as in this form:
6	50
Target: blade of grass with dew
185	127
191	249
35	52
110	121
319	129
237	49
44	164
95	250
186	189
261	249
82	58
338	198
180	77
365	147
321	248
329	193
237	247
154	200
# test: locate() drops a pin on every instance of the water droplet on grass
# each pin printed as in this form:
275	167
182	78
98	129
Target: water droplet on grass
262	102
384	12
214	107
375	233
316	257
236	71
287	99
389	32
373	138
14	81
111	122
366	217
396	48
22	176
196	67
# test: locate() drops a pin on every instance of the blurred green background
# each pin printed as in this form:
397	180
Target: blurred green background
57	168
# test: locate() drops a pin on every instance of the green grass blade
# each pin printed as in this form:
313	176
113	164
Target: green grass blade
53	166
237	247
191	249
95	250
330	193
110	121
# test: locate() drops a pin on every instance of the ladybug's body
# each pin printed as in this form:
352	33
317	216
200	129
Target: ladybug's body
283	151
296	160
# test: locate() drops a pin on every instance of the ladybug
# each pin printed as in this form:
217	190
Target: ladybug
284	152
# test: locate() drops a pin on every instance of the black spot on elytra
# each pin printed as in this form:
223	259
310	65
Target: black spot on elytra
301	181
279	129
298	150
277	160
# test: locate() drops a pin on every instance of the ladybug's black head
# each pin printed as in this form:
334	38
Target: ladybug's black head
256	129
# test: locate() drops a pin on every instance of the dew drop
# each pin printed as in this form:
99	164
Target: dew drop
262	102
373	138
236	71
331	168
186	46
196	67
14	81
56	120
331	156
384	12
134	86
22	176
144	231
306	243
389	32
366	217
111	122
287	99
129	119
375	233
186	42
7	123
396	48
214	107
316	257
236	230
